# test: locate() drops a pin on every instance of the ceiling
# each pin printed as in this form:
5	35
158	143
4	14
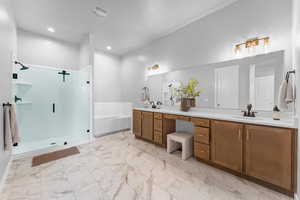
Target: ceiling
128	25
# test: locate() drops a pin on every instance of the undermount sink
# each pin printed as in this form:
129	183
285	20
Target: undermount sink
247	118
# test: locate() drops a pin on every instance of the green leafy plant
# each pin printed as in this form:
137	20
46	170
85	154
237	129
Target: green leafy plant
188	91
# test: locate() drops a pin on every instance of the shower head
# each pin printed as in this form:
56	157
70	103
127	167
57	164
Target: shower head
23	67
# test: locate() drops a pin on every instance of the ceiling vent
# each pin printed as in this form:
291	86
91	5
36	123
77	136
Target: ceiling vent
100	12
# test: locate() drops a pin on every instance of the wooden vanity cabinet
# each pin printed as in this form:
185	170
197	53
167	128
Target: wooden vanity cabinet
201	135
263	154
201	138
147	126
227	145
158	129
269	155
158	124
152	127
137	123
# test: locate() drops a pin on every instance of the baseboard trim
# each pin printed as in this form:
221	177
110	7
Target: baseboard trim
110	133
2	181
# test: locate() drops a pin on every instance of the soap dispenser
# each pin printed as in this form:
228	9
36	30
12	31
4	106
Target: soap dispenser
276	113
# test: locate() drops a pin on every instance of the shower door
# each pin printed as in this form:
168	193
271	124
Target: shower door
35	114
52	111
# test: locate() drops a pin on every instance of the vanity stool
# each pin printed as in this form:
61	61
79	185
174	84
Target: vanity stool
177	140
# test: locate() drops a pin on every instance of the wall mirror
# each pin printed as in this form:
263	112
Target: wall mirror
227	85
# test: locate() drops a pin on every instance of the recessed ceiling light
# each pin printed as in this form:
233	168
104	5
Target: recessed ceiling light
50	29
108	48
3	15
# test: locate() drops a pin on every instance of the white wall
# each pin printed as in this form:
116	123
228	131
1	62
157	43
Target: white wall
7	55
212	39
107	77
40	50
133	79
86	53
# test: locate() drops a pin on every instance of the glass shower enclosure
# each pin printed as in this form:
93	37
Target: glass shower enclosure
53	107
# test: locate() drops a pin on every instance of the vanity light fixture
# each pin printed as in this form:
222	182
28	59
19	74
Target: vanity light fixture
154	67
108	48
252	44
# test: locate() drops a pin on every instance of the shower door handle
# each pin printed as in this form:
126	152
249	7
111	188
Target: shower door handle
53	107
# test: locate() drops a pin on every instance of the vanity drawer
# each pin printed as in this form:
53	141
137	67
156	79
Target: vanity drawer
201	134
169	116
158	115
200	122
176	117
158	124
201	151
158	137
184	118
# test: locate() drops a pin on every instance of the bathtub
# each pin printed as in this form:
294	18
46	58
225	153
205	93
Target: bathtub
111	117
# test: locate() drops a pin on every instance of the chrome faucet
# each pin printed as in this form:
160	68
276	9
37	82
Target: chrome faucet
249	112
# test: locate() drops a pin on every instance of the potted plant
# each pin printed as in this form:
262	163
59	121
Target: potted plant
187	94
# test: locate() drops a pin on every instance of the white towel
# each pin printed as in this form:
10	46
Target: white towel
7	129
282	95
11	130
14	125
290	93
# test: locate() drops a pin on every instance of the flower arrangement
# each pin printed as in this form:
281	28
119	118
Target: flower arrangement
188	93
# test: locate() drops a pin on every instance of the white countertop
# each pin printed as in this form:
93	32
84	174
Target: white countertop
285	123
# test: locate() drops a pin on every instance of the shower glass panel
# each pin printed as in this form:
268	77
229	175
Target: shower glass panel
52	111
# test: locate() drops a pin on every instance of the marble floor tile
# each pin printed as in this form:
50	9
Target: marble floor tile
119	167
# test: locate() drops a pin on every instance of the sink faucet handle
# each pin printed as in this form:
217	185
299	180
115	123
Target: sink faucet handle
245	113
253	113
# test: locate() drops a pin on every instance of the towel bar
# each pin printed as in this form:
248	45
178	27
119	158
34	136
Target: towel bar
287	76
6	104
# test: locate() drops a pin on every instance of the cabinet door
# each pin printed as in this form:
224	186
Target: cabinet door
226	144
158	125
269	155
137	123
158	137
147	125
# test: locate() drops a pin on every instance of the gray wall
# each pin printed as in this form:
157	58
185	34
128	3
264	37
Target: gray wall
107	78
40	50
296	63
211	40
7	55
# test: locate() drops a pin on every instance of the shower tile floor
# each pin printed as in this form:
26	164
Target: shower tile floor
120	167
